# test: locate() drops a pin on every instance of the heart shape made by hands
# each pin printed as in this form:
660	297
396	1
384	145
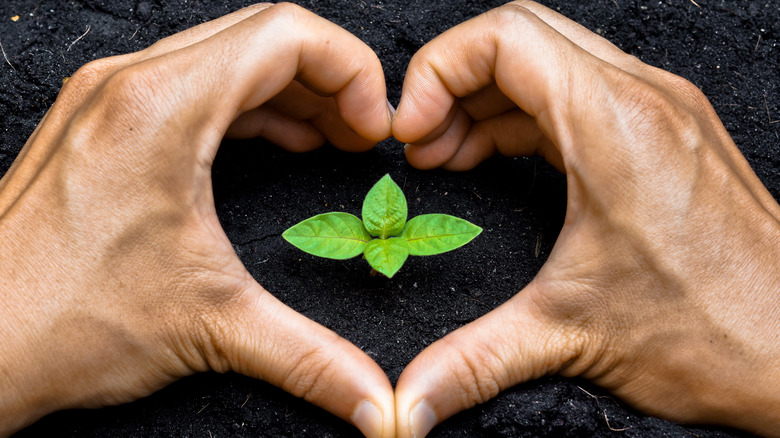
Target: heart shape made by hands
114	194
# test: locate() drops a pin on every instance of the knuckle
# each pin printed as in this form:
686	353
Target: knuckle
286	10
653	111
256	7
513	23
92	73
510	15
688	91
122	101
664	98
288	18
131	97
527	5
645	101
134	83
260	6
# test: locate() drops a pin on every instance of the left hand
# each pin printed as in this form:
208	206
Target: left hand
116	275
663	284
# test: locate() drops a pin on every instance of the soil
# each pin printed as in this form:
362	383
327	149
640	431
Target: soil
729	48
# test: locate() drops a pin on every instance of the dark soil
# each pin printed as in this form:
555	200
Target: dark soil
729	48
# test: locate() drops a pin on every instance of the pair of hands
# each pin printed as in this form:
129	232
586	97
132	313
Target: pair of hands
118	279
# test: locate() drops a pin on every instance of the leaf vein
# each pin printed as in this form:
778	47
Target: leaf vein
441	236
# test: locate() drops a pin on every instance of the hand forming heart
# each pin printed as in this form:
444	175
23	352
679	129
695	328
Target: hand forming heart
661	287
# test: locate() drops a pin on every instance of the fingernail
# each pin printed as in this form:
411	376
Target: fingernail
422	419
368	418
391	110
406	146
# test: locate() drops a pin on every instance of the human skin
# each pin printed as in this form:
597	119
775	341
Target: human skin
663	284
117	277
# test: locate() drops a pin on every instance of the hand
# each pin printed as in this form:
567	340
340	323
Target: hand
117	277
662	286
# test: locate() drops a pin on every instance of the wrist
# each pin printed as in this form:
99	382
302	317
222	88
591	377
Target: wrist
752	404
756	409
759	411
27	392
23	399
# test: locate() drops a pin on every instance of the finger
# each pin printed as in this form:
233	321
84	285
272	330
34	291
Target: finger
200	32
297	101
85	80
486	103
338	133
590	42
512	47
297	135
261	55
601	47
239	69
443	146
471	365
263	338
288	133
513	134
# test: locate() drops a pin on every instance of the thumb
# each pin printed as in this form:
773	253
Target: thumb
471	365
261	337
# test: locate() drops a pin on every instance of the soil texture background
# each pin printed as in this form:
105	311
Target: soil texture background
729	48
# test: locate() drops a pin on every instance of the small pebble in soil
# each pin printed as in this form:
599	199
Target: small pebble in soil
144	10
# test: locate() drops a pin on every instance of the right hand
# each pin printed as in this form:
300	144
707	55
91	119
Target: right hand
116	277
663	284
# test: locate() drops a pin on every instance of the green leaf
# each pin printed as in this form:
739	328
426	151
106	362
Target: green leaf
387	255
384	209
331	235
431	234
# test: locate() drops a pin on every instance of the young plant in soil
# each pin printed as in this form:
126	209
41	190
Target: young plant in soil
384	237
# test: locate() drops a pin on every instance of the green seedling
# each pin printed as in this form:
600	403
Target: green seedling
384	237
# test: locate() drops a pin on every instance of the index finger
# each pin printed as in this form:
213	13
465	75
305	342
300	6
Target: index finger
202	88
542	71
265	52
